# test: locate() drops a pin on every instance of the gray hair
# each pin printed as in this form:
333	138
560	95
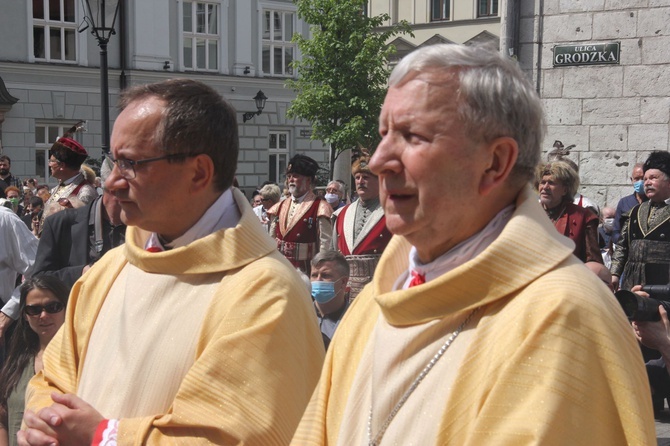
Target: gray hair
337	183
495	97
270	192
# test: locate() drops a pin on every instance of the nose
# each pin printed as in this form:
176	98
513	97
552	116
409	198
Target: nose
386	158
115	180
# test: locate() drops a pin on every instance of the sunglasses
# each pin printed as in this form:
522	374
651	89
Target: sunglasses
51	308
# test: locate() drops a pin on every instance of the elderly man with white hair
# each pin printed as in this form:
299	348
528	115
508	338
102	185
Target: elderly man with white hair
479	326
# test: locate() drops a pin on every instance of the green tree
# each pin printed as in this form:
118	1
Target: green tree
343	72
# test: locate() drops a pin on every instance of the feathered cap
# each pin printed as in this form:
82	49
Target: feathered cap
658	160
362	164
69	151
302	165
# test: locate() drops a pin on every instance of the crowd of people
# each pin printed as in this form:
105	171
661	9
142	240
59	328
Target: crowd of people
451	299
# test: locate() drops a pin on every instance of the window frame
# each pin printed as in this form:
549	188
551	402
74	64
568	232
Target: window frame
48	25
194	36
441	18
489	8
272	8
277	171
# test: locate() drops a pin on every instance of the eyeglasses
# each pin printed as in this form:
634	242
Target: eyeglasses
127	167
51	308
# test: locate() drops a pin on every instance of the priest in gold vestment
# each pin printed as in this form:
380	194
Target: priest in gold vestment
196	331
479	327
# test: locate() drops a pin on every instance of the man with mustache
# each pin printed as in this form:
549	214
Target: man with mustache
642	253
359	229
301	225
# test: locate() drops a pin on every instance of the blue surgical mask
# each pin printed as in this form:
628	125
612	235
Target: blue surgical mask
323	292
639	186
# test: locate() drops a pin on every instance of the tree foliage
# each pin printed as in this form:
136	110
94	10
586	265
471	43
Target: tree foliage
343	72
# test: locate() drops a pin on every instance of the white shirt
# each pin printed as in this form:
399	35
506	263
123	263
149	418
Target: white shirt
18	247
459	254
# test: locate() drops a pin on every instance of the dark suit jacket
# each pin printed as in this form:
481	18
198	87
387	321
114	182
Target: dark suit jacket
63	250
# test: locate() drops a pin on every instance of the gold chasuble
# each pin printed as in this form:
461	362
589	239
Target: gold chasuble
215	342
548	358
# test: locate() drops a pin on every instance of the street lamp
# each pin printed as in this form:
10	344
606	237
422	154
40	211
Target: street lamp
100	15
260	105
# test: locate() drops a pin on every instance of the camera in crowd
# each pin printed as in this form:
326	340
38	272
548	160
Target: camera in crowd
638	308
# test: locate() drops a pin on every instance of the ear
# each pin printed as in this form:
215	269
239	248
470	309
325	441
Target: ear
202	172
502	155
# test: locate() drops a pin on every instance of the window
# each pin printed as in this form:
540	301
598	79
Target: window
441	10
54	30
278	51
278	159
200	26
45	135
487	8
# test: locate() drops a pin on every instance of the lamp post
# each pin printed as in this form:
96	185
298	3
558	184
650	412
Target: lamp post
100	15
260	105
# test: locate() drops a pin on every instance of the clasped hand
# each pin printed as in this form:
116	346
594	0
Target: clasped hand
69	421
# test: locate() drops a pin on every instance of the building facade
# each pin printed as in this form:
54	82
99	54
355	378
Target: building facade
51	73
614	111
441	21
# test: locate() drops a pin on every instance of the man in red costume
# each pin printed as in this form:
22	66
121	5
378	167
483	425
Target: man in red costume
301	224
359	229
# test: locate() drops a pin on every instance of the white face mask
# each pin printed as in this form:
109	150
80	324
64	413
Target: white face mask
608	223
332	199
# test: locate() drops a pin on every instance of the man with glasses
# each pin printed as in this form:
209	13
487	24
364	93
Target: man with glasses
196	331
270	195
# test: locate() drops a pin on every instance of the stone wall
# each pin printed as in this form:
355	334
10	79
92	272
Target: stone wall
614	114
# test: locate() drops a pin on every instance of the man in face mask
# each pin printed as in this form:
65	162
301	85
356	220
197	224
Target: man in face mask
605	233
630	201
329	277
335	194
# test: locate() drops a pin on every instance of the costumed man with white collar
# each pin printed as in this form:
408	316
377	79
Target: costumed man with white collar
359	229
65	159
301	226
480	326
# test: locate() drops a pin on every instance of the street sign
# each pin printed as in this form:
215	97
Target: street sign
587	54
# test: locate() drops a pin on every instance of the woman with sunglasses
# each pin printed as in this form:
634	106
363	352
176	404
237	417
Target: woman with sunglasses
42	307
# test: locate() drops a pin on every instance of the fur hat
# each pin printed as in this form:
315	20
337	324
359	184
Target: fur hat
302	165
658	160
362	164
